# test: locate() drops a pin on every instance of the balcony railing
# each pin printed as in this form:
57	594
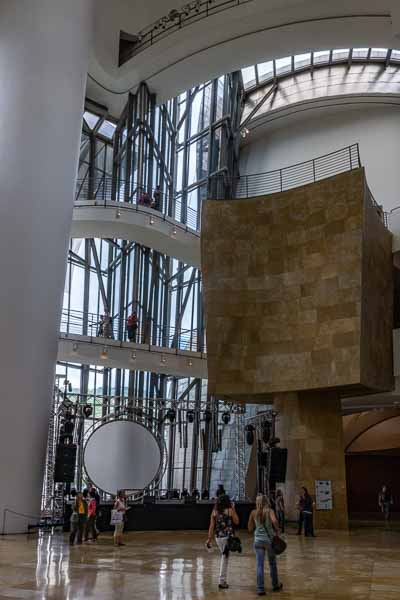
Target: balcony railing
248	186
75	322
102	191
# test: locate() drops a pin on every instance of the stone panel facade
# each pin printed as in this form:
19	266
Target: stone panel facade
295	286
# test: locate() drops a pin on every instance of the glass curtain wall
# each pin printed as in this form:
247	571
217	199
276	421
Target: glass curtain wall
166	153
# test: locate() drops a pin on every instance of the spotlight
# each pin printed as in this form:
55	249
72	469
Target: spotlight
87	410
190	416
190	363
171	415
174	231
117	213
226	417
75	347
249	429
133	355
207	415
151	221
104	353
163	359
266	432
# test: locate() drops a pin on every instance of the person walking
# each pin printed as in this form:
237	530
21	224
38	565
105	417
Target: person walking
280	509
91	531
264	524
385	501
120	506
222	521
300	507
78	519
308	513
131	326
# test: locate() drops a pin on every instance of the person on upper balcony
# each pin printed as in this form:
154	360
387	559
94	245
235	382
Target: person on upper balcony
157	199
145	199
131	326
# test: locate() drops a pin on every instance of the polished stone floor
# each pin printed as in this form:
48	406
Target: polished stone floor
363	564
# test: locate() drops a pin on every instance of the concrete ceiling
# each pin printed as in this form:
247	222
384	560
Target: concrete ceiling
244	35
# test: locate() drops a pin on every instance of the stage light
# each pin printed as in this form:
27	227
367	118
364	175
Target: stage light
249	429
207	415
104	353
266	432
75	347
163	359
87	410
190	363
190	416
117	214
151	221
174	231
133	355
171	415
226	417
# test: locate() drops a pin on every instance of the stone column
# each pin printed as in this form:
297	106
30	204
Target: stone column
44	49
310	427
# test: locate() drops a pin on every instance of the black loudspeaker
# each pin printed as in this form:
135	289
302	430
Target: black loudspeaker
278	465
64	468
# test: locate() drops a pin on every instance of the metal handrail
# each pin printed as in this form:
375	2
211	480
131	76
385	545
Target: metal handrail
280	180
176	20
103	190
93	326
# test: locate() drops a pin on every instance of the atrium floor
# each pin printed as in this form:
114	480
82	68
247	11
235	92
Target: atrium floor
362	565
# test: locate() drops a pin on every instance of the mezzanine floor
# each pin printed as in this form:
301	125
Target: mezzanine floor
362	565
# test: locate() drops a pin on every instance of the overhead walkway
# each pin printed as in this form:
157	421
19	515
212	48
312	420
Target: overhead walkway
127	221
84	339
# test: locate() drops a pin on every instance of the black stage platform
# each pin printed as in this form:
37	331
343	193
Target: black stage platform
165	516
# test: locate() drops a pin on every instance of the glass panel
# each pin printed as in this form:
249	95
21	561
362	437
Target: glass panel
341	54
283	65
302	60
249	76
360	52
321	56
378	52
90	119
395	55
265	70
107	129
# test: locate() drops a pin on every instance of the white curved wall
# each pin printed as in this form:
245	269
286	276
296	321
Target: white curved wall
300	138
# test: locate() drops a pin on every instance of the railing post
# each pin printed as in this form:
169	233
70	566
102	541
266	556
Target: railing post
313	168
351	165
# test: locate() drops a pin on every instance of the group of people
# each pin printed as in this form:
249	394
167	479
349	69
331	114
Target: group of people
105	326
152	202
85	510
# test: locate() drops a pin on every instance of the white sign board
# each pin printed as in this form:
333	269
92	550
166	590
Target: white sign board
323	494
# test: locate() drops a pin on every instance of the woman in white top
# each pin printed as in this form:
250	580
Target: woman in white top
120	506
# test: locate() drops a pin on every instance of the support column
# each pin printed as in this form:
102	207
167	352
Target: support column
44	48
310	427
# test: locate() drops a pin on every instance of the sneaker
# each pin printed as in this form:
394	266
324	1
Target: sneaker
277	588
223	586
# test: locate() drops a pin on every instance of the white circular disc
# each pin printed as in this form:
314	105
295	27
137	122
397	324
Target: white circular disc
122	455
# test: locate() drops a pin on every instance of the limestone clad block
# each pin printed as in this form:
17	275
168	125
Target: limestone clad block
298	291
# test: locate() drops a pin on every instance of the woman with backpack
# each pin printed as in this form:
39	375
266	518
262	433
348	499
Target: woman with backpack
264	523
223	519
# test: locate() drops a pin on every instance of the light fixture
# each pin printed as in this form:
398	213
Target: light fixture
171	415
104	352
190	363
207	415
87	410
75	347
133	355
190	416
174	231
163	359
117	213
151	220
226	417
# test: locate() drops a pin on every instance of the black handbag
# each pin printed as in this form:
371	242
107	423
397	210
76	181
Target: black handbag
234	544
278	545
